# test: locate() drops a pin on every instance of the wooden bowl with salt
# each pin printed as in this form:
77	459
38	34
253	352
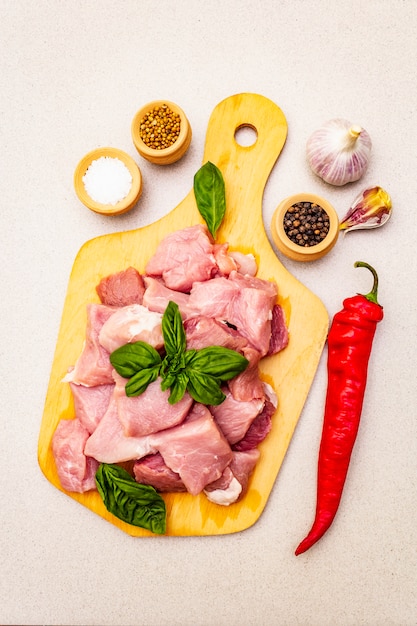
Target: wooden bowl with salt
108	181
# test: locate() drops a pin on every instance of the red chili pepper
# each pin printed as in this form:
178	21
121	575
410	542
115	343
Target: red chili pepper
349	348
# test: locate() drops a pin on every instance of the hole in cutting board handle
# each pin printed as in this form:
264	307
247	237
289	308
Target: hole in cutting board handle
246	135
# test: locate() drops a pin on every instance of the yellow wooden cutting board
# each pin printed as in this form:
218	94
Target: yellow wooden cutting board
245	170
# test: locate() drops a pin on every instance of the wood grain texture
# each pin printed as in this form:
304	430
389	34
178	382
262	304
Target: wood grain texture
245	170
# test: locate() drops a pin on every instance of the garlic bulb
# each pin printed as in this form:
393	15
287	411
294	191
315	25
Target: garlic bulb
339	152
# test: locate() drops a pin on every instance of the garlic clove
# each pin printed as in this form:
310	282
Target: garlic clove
372	208
339	152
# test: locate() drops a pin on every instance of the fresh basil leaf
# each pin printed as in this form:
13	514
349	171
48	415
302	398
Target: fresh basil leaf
204	388
173	330
188	356
138	383
131	357
167	381
169	378
218	361
171	367
209	192
136	504
178	388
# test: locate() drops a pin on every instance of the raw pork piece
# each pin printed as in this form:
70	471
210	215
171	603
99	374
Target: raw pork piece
247	385
233	483
252	310
242	466
76	472
121	289
183	257
149	412
225	490
109	444
225	262
129	324
212	298
244	301
246	263
152	470
205	331
234	417
157	296
254	282
90	403
196	450
279	331
93	366
258	430
251	313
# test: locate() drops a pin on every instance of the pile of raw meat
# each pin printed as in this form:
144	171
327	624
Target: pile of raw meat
186	446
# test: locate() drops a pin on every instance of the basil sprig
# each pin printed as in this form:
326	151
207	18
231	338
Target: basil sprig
139	362
200	372
209	192
136	504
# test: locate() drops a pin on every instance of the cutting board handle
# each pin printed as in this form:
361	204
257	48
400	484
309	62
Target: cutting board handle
245	168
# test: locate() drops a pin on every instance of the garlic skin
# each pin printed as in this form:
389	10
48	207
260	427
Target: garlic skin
372	208
339	152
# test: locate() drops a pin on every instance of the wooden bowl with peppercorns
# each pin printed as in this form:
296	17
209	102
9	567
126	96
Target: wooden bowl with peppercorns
305	227
161	132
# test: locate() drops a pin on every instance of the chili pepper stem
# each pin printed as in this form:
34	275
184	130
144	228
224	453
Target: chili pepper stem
372	296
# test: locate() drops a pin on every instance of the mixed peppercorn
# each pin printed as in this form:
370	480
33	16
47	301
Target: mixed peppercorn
160	127
306	224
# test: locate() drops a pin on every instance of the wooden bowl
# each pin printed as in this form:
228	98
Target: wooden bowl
172	153
293	250
122	206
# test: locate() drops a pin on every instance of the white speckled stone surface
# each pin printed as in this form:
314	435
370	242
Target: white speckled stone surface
72	76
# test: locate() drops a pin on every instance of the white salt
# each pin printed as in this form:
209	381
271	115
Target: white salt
107	180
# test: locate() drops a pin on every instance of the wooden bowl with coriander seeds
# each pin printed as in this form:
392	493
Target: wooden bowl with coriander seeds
305	227
108	181
161	132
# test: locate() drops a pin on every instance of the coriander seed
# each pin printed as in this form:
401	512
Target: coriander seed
160	127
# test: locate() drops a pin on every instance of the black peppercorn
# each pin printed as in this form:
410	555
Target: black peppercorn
306	224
